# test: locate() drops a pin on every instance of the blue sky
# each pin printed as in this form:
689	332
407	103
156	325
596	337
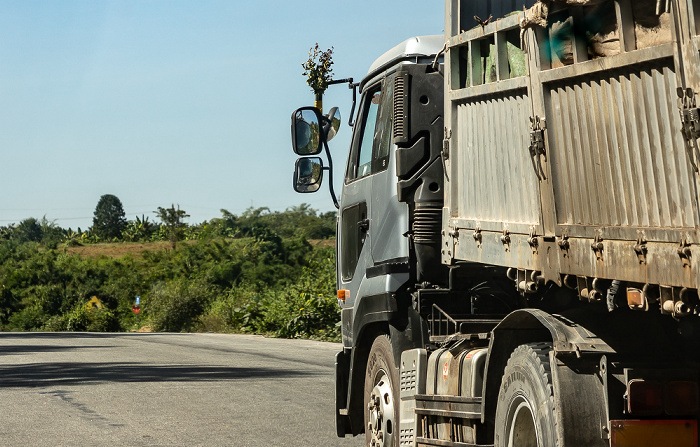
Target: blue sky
184	102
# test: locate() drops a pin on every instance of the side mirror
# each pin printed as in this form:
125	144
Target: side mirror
306	131
331	123
308	174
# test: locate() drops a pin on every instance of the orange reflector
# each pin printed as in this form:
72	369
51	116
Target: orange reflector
635	298
681	398
343	294
668	433
645	397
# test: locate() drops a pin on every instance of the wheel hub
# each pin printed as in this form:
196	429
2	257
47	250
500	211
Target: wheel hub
522	431
381	414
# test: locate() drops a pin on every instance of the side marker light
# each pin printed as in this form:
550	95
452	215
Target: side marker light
343	294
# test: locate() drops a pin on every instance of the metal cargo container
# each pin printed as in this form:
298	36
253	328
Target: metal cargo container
571	141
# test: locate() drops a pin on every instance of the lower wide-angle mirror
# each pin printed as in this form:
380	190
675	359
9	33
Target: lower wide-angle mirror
308	174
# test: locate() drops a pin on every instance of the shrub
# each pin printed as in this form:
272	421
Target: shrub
90	320
177	305
306	307
254	273
28	319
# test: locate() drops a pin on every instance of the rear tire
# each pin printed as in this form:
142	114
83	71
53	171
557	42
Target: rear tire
381	398
525	413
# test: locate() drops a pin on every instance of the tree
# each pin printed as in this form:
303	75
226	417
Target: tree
172	219
138	230
109	220
28	230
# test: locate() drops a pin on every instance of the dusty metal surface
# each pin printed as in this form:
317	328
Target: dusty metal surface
604	183
487	157
617	151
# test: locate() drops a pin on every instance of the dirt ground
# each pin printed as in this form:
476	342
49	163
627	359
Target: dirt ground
117	250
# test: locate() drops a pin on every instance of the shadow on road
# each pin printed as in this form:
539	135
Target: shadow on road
52	374
25	347
63	335
28	349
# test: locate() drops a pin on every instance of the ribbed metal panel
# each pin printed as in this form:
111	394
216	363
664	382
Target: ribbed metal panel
485	8
400	99
617	151
497	179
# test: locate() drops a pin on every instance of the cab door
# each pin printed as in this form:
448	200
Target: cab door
388	216
355	205
372	221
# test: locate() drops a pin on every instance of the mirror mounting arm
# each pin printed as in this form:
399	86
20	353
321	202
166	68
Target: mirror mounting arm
340	81
330	174
351	85
351	123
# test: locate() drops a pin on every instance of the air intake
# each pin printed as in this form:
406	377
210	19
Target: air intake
427	224
401	81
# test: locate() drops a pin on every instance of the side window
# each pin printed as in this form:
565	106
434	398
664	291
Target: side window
372	142
383	128
360	162
365	157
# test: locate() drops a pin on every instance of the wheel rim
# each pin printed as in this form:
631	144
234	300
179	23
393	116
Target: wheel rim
521	430
381	413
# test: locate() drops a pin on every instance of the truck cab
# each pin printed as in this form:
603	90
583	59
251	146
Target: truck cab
392	179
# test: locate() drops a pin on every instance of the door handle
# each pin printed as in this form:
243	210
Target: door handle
363	225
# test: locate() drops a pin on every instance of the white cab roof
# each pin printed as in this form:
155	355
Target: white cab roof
413	48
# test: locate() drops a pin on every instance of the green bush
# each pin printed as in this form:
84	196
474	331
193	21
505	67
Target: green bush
256	273
305	308
29	318
56	323
176	306
92	320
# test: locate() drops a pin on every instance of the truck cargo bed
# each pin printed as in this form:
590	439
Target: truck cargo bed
570	141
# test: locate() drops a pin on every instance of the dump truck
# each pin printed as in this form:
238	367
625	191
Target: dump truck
518	229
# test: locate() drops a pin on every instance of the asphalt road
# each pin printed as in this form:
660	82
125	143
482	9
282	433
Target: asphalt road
84	389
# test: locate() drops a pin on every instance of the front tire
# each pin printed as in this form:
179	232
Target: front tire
381	396
525	413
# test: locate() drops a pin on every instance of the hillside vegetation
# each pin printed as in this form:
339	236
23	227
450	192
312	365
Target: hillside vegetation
261	272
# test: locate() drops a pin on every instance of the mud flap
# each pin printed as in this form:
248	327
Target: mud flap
342	373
